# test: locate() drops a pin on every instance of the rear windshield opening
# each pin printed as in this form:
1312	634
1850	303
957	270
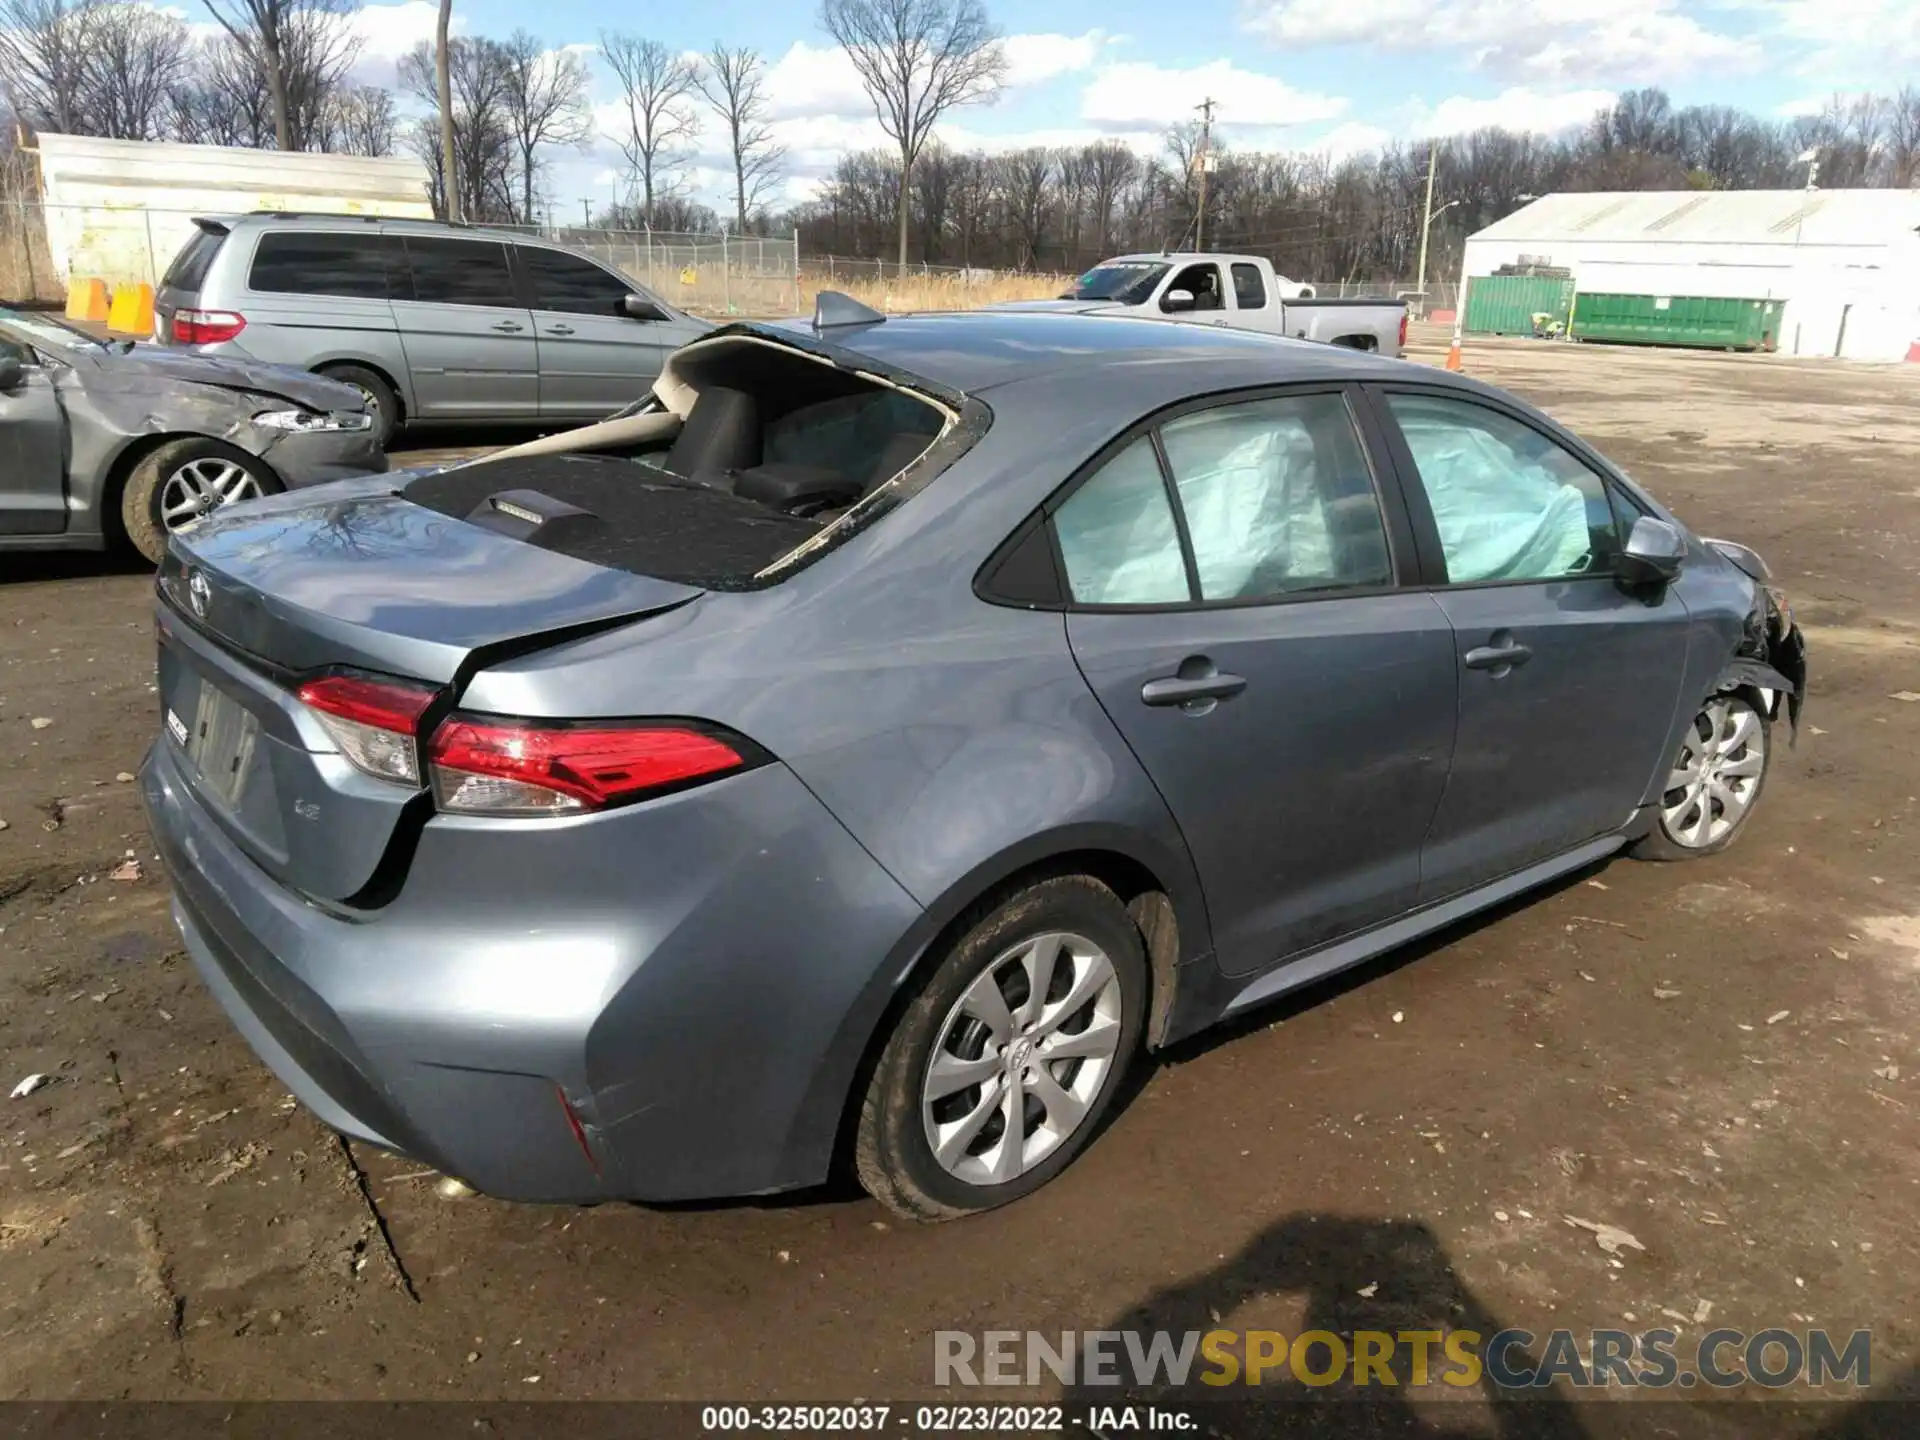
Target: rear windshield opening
773	447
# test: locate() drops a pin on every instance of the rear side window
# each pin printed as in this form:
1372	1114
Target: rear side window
568	283
189	268
1278	498
317	263
460	272
1117	535
1249	290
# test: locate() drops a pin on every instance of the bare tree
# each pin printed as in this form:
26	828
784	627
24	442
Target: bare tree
265	30
546	103
44	50
136	58
733	81
443	103
480	186
917	59
1111	167
1024	178
1903	139
361	121
655	84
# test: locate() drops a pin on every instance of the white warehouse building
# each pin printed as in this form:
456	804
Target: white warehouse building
1847	262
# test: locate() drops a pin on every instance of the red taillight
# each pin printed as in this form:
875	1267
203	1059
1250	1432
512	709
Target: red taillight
206	327
375	722
1403	329
497	767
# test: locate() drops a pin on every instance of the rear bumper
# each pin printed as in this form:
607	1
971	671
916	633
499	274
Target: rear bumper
694	979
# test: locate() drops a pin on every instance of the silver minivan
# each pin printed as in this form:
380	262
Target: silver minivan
433	323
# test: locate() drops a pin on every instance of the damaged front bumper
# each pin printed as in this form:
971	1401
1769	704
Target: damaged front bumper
303	458
1772	655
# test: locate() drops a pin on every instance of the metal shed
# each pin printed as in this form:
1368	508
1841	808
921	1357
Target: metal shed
118	210
1846	262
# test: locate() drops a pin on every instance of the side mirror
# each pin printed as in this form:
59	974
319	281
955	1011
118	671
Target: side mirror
639	307
12	372
1176	300
1653	553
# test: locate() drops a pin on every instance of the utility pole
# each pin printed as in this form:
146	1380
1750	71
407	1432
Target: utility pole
1426	223
586	212
1203	158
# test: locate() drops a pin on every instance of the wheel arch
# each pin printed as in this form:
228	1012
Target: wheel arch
385	372
1172	928
119	467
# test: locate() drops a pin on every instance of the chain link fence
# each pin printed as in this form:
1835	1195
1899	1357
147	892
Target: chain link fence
43	246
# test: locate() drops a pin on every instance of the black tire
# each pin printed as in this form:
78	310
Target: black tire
381	401
1666	841
140	499
893	1155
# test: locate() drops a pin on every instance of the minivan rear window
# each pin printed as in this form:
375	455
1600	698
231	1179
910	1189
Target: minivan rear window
296	262
189	268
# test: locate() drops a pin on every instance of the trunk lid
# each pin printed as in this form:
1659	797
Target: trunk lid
347	576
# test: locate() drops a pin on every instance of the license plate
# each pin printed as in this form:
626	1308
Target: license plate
220	741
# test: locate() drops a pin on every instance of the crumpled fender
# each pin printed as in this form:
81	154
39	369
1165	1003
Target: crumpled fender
1774	659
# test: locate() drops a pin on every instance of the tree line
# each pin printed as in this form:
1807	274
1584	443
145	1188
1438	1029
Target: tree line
130	71
1354	219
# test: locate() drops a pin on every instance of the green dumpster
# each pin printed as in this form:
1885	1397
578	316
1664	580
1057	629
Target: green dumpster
1506	304
1699	321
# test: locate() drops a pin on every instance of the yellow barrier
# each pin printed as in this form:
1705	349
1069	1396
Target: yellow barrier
87	300
132	311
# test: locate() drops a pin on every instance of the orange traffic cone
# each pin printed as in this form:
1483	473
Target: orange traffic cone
1453	354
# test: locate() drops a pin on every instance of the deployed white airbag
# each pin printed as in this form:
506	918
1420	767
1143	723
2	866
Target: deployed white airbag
1501	514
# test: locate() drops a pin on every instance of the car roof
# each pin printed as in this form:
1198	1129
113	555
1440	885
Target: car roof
276	219
970	351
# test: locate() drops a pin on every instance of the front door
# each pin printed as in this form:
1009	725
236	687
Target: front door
1238	618
470	343
1568	682
594	358
33	488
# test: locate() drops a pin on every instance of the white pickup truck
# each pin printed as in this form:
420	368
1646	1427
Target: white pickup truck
1241	291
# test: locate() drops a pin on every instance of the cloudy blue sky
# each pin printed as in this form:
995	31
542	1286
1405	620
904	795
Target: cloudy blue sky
1313	75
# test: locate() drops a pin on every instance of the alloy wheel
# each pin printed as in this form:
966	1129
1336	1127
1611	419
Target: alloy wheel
1021	1057
1716	775
202	486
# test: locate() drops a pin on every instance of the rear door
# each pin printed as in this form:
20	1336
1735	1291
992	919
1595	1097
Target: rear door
593	357
1568	682
469	341
316	295
33	481
1235	606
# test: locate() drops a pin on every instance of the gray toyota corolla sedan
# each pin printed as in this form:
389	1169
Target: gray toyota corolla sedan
871	742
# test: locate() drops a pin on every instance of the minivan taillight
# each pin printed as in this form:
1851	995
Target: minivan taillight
487	766
374	721
206	327
1403	329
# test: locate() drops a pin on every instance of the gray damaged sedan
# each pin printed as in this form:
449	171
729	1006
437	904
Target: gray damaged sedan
873	742
106	440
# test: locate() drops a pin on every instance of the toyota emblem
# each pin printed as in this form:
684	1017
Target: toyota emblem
199	593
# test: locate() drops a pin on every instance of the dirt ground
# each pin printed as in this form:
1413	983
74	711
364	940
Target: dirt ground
1717	1056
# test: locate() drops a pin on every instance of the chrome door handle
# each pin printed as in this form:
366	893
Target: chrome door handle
559	329
510	326
1178	690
